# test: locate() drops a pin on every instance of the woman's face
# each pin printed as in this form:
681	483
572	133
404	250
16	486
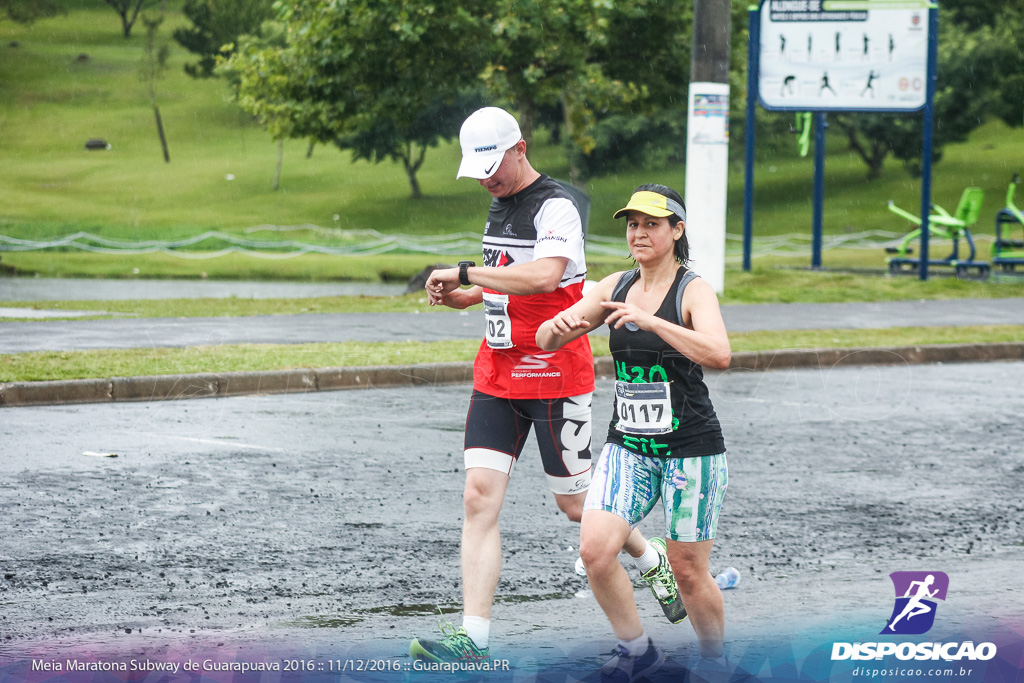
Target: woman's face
651	238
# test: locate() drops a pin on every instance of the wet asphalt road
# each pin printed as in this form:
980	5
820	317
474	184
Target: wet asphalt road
67	335
328	523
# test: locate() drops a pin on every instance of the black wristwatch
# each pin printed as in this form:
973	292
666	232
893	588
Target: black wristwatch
464	272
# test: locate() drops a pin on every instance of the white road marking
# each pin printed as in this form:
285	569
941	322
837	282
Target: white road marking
230	444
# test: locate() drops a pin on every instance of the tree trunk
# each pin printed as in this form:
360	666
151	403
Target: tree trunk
875	159
280	158
412	167
875	167
413	182
309	152
160	130
127	23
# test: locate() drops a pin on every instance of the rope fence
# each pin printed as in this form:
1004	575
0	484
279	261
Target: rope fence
210	244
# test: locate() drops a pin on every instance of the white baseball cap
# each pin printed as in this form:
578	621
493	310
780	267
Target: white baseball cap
485	137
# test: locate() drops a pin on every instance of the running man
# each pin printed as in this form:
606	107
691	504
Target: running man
825	85
534	267
914	606
870	87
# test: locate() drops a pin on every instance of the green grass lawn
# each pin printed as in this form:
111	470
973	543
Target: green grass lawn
51	103
63	365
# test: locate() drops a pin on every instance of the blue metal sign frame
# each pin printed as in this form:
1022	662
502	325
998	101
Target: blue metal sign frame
754	96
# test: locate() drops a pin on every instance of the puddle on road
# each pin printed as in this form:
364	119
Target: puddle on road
22	313
417	610
516	599
326	621
119	643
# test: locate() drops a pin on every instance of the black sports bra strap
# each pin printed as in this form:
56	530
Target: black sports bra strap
687	278
626	281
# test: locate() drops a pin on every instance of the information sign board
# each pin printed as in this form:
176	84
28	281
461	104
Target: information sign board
843	55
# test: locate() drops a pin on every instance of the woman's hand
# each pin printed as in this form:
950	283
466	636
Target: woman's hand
622	313
566	322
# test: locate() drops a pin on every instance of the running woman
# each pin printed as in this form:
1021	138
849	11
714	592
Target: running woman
534	267
664	441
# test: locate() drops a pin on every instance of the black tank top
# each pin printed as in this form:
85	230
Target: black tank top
641	356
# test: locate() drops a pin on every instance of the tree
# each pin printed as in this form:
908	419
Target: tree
1005	43
586	58
381	139
971	15
27	11
536	52
361	74
641	119
978	74
154	64
129	10
216	26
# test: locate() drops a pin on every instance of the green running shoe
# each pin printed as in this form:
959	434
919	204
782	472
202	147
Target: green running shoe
456	646
663	584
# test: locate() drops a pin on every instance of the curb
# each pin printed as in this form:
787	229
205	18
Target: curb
212	385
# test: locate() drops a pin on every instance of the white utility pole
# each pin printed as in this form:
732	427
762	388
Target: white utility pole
707	140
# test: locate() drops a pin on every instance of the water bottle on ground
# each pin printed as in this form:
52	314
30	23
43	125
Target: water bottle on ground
729	578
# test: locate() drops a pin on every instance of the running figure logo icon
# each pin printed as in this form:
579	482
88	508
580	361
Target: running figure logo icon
916	595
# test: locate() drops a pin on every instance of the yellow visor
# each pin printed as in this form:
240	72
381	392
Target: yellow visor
652	204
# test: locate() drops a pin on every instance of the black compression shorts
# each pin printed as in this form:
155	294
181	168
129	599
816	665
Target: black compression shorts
496	431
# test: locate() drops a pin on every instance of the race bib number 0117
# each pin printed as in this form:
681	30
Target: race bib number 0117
643	408
499	325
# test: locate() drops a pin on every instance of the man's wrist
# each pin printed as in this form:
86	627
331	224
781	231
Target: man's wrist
464	267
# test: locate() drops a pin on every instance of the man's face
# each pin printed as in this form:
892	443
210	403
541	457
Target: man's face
506	180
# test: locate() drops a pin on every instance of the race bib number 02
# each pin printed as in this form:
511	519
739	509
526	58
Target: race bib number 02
499	325
643	408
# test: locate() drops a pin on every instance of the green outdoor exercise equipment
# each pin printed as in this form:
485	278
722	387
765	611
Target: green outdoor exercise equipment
941	224
1008	253
802	127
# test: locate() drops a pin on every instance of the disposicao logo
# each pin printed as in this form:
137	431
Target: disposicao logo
913	613
916	595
